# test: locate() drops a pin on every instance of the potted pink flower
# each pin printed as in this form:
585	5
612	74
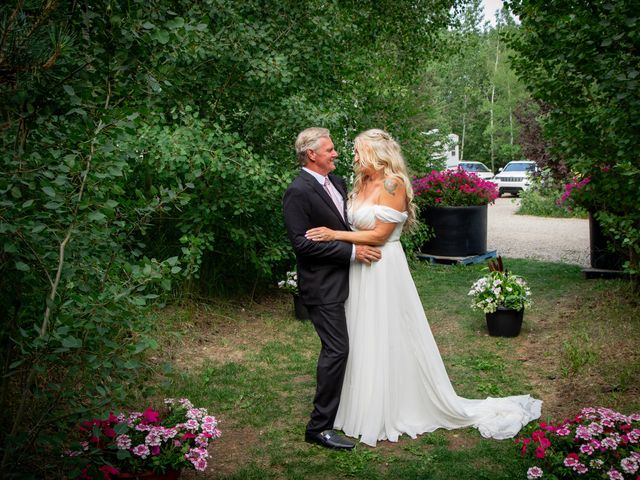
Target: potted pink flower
597	443
454	204
137	444
453	188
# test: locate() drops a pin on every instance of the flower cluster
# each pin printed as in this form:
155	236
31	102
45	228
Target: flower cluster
597	443
572	192
173	438
453	188
290	283
500	289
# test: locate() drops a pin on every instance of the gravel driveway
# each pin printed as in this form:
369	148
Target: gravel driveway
541	238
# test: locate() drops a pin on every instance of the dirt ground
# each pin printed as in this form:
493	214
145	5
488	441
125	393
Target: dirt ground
524	236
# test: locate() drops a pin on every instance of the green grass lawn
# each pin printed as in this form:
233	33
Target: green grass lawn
252	365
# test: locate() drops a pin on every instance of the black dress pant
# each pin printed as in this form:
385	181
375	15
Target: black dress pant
331	325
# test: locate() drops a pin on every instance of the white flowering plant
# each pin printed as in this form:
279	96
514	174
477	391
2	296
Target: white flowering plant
290	283
599	443
499	288
170	439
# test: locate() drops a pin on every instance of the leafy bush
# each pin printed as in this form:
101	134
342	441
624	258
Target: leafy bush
148	144
585	71
544	199
230	231
534	202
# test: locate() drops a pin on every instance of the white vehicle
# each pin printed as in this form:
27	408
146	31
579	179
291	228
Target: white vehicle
515	177
479	168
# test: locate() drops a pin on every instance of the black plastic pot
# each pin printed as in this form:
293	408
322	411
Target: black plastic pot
504	322
459	231
601	256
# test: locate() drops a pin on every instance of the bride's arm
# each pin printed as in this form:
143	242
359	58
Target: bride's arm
393	195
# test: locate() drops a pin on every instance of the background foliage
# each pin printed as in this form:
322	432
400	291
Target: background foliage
146	147
581	59
475	93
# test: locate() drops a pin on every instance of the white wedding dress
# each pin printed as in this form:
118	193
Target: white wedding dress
395	380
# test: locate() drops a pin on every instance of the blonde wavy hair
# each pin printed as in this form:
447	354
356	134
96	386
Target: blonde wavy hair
378	150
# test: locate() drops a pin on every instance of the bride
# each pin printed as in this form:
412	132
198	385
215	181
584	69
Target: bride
395	381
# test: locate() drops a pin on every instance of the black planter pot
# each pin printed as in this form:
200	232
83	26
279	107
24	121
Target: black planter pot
300	309
459	231
504	322
601	256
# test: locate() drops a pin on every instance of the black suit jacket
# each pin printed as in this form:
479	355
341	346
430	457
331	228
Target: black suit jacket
323	267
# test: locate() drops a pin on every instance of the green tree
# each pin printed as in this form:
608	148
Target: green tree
581	59
146	147
475	91
506	92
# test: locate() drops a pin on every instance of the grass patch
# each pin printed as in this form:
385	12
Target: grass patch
253	365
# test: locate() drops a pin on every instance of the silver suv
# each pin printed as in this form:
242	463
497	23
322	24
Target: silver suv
515	177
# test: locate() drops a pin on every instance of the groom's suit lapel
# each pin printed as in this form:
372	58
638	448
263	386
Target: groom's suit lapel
325	196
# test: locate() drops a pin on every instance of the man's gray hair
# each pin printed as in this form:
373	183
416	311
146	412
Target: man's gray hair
309	139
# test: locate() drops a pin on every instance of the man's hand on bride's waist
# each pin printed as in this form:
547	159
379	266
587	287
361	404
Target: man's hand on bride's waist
367	254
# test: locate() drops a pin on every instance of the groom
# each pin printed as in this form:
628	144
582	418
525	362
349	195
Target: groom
316	198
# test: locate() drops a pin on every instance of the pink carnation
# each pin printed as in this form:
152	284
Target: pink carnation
534	472
571	460
615	475
141	451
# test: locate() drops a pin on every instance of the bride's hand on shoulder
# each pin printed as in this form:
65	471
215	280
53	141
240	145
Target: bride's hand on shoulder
320	234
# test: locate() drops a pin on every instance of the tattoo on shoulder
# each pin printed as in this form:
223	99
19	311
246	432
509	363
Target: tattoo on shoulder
390	186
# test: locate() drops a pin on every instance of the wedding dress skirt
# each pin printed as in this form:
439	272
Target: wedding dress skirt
395	380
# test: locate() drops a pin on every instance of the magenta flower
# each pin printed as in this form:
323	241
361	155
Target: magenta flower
191	424
596	428
596	443
156	440
141	451
150	415
615	475
587	449
571	460
581	469
537	435
583	433
629	465
108	470
453	188
154	437
123	442
571	190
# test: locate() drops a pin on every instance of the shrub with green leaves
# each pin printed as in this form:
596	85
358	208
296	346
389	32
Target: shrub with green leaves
147	146
580	59
543	199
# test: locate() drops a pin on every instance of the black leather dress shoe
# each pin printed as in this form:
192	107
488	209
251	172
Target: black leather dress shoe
329	439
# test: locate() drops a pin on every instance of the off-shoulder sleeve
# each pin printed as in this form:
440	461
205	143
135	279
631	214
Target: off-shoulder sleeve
389	215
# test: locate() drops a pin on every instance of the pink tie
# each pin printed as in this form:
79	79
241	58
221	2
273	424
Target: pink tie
336	201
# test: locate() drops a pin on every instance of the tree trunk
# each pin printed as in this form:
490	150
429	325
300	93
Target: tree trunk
510	117
493	96
464	128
